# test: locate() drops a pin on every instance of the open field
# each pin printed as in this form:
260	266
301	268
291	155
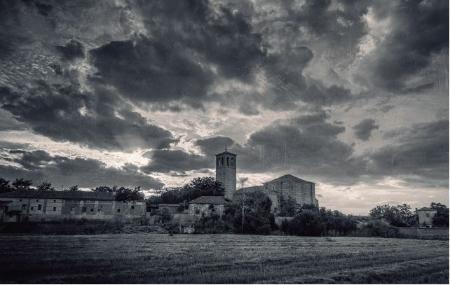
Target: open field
154	258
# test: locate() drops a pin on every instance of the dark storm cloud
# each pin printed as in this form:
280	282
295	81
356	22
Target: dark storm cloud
65	114
363	130
7	122
419	30
179	161
39	166
188	41
306	145
323	96
320	18
176	160
420	150
214	145
72	50
150	71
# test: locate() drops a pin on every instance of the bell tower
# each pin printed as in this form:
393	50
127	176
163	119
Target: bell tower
226	172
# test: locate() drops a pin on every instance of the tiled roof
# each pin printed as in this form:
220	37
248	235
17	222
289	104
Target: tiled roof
215	200
426	209
251	189
65	195
290	177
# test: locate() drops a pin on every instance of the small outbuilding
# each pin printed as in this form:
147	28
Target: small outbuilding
425	216
205	206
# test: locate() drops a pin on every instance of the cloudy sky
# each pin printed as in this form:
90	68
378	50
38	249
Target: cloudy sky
352	95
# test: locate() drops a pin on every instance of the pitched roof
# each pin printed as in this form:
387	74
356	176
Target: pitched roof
290	177
226	152
215	200
426	209
65	195
251	189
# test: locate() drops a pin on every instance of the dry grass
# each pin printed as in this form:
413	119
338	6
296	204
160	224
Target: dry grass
152	258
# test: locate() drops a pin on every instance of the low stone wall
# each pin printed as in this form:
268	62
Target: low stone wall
424	233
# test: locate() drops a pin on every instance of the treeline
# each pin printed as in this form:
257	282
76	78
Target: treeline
403	216
120	193
201	186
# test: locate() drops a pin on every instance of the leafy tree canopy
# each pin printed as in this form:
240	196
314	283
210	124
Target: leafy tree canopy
399	216
22	184
201	186
441	217
45	186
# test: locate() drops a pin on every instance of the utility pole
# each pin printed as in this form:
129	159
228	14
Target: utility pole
243	180
243	212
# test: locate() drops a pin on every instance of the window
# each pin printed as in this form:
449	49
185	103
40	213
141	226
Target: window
54	209
118	210
32	208
228	161
83	209
39	207
54	201
24	206
37	200
92	210
20	200
132	207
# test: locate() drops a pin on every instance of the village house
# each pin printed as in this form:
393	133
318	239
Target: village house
425	216
32	205
206	206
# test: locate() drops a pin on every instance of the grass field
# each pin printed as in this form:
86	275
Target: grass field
153	258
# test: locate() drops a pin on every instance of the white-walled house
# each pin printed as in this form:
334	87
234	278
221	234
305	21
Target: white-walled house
33	205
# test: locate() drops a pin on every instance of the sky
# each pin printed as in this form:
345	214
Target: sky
352	95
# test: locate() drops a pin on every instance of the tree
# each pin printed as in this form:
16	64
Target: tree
21	184
311	221
306	223
288	207
441	217
74	188
399	216
4	186
104	189
127	194
45	186
201	186
250	215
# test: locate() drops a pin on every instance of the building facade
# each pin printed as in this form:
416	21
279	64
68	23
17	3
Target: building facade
40	206
206	206
287	187
226	172
425	217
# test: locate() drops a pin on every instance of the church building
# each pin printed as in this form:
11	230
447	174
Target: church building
284	187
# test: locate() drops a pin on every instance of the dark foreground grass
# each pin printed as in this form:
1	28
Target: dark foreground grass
152	258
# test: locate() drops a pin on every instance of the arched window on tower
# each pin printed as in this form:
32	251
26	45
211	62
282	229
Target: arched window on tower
228	161
221	161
